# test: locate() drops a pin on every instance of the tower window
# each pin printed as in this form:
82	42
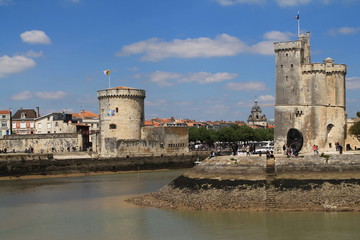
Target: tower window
292	65
117	110
112	126
282	66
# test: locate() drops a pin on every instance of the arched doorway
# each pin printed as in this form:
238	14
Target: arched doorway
295	138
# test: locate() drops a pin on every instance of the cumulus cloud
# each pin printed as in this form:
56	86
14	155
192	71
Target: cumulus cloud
223	45
290	3
267	47
353	83
33	54
21	96
267	100
165	79
6	2
155	49
35	37
233	2
15	64
50	95
246	86
278	36
206	77
343	31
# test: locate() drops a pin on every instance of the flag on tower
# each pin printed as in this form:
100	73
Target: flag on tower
297	16
107	72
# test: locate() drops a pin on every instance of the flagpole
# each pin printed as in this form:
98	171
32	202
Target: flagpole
109	80
298	20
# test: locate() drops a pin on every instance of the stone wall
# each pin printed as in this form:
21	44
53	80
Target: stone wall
42	143
156	141
16	165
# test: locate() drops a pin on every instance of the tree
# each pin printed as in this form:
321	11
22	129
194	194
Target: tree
355	130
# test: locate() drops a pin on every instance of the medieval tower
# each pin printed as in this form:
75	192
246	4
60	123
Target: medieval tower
310	99
121	115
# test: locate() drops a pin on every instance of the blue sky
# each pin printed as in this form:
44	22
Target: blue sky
196	59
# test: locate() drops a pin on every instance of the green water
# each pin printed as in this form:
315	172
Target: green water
93	207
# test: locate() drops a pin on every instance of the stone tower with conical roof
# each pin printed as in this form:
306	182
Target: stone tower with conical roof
310	98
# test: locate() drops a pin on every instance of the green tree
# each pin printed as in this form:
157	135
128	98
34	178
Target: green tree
355	130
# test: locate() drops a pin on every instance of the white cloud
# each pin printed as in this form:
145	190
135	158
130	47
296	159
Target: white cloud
246	86
267	98
15	64
50	95
24	95
206	77
165	79
155	49
33	54
343	31
267	47
223	45
35	37
278	36
233	2
6	2
289	3
353	83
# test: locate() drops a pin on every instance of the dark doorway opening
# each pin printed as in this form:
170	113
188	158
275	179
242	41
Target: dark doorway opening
295	139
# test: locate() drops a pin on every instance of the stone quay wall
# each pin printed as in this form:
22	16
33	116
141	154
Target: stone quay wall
42	143
16	165
312	183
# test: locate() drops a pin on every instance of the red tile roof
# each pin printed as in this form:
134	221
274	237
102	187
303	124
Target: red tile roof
4	112
85	114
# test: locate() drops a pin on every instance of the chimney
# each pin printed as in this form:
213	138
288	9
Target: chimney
37	111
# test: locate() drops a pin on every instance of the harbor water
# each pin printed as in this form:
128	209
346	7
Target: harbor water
93	208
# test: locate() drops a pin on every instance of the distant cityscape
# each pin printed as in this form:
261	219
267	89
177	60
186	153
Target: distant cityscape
29	121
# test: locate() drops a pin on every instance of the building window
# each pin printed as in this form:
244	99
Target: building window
3	124
39	126
49	125
56	124
3	116
112	126
23	125
23	115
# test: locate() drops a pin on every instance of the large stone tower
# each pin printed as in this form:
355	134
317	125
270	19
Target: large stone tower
121	115
310	98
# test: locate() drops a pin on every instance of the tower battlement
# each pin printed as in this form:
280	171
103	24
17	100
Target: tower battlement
323	68
121	92
286	46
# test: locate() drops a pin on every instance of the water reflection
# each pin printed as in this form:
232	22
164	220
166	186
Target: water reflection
93	207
